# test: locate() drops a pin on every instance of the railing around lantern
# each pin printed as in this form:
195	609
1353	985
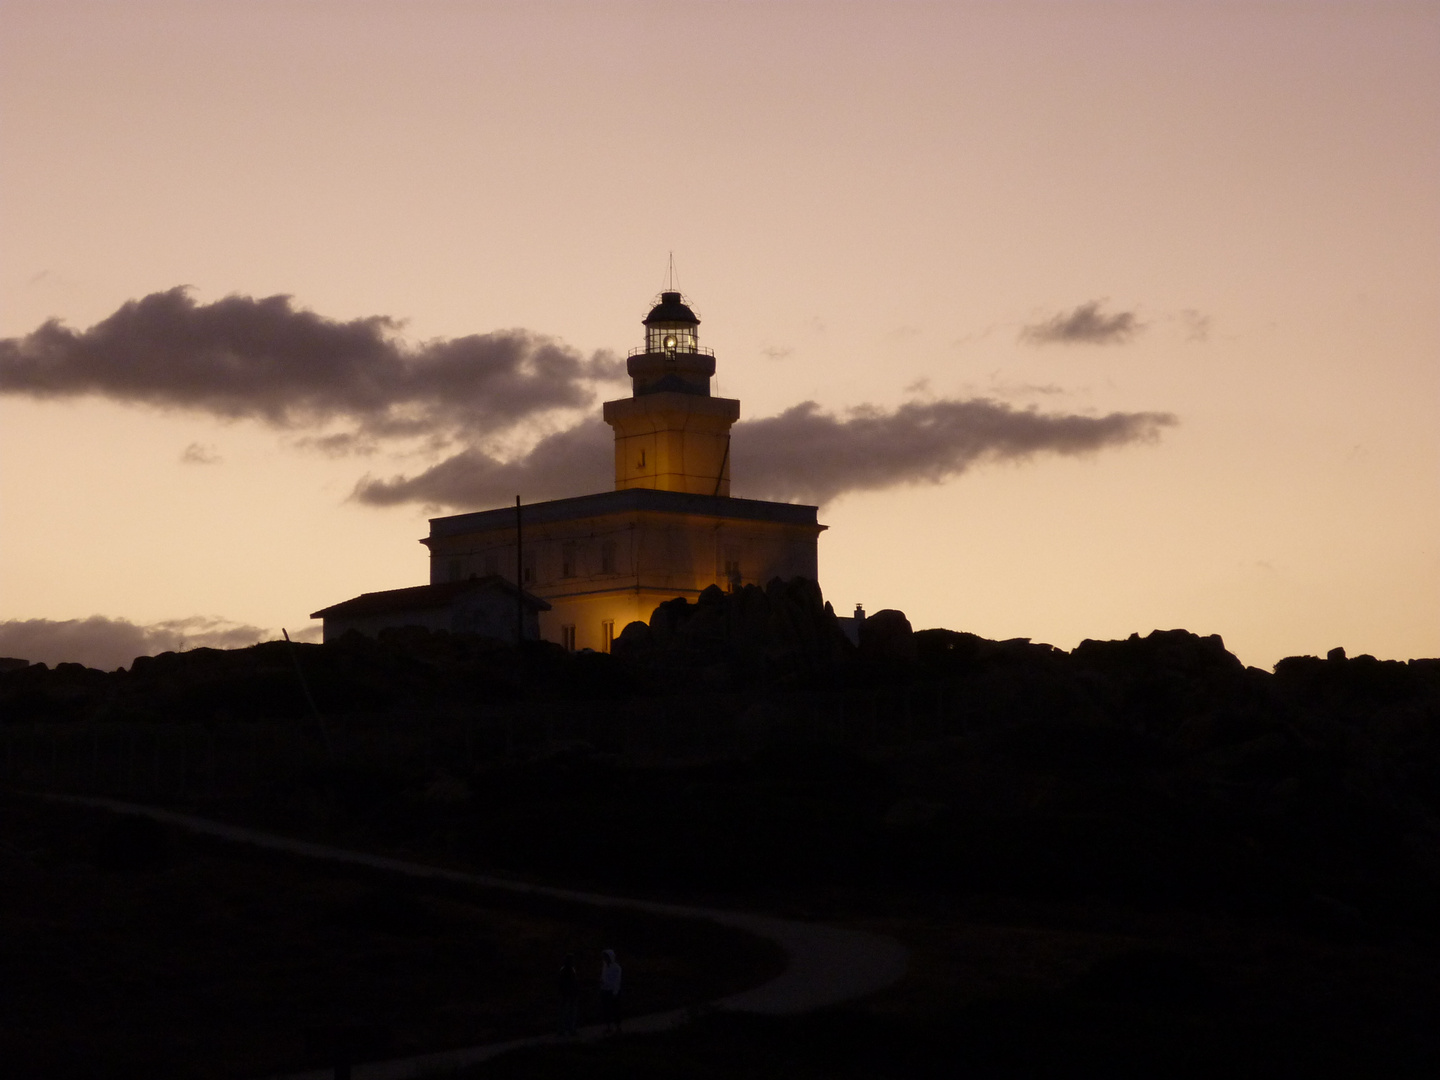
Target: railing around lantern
696	350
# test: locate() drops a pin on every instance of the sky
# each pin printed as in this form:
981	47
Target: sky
1077	319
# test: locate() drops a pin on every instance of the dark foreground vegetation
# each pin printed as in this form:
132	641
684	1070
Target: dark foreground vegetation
1138	857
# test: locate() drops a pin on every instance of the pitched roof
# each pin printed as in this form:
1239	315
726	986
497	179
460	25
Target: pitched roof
419	597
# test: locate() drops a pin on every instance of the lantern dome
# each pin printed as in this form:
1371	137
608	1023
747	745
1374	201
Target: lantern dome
671	309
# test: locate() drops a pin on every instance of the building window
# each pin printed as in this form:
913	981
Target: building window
567	638
454	570
528	573
567	560
732	569
607	557
641	463
607	634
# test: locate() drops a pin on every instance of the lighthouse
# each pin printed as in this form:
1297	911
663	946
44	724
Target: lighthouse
585	567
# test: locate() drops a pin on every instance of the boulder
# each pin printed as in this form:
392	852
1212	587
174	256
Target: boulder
887	637
785	627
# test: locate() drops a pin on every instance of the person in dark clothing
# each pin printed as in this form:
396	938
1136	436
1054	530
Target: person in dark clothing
610	991
569	990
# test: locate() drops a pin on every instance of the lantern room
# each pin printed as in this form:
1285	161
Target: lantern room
671	359
670	326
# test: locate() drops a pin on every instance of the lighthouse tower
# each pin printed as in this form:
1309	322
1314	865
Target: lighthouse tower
671	435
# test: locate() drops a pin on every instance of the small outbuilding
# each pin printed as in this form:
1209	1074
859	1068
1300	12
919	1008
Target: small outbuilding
488	605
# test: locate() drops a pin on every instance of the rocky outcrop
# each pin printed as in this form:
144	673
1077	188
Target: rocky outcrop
886	637
783	630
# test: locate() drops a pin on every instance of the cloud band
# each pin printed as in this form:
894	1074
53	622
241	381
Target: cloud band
265	360
803	453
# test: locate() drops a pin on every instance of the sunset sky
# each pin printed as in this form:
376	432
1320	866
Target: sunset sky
1078	319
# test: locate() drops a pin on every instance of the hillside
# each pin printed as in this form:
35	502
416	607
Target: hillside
1138	813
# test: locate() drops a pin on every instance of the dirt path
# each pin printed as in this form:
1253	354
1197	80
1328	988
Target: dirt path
825	965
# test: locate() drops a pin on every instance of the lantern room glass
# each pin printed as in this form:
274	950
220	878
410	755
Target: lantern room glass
671	339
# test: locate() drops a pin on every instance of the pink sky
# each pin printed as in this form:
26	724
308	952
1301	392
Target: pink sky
868	204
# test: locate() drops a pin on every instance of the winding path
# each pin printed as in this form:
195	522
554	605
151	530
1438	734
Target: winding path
825	965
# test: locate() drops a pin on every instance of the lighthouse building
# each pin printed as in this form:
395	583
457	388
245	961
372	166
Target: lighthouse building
669	528
588	566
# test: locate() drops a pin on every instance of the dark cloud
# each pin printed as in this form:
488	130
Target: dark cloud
577	461
1086	325
802	454
809	455
108	644
243	358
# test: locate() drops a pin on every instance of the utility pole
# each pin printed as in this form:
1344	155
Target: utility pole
519	579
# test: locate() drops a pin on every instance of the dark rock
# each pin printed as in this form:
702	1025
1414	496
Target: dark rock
784	629
948	651
886	637
635	642
1158	683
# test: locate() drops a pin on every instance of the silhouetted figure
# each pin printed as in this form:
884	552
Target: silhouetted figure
610	992
569	990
